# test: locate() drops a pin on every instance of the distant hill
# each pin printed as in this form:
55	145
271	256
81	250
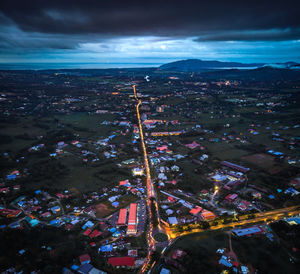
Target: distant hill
263	74
201	65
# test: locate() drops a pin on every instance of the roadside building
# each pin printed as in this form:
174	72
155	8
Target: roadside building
248	231
207	215
234	166
122	217
121	261
132	220
231	197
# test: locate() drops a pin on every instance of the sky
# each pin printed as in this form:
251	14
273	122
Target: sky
126	33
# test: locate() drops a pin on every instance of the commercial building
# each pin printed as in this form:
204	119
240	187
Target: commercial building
132	220
121	261
122	217
234	166
248	231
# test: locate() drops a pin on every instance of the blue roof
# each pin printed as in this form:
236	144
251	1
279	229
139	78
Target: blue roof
294	219
246	231
115	203
116	234
74	267
106	248
11	177
224	262
54	222
85	268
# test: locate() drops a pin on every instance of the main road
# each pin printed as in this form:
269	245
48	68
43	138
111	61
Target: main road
154	219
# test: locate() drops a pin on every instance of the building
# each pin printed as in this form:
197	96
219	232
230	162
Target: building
196	210
207	215
121	261
172	220
138	171
234	166
231	197
132	222
85	259
248	231
122	217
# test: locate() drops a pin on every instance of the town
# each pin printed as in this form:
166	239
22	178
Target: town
123	171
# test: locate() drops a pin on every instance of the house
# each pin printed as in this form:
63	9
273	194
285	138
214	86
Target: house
84	268
46	214
133	253
196	210
169	211
106	248
123	183
115	204
162	148
55	209
137	171
165	271
225	261
172	220
192	145
95	234
231	197
171	199
88	224
219	177
207	215
85	259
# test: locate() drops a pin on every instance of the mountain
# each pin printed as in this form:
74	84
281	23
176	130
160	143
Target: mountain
262	74
201	65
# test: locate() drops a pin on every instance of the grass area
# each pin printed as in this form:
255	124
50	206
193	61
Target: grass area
201	249
160	237
264	255
261	253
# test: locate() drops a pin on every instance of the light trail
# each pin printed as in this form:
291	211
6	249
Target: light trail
259	217
150	190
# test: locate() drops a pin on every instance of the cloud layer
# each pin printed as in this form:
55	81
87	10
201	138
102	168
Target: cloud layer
96	25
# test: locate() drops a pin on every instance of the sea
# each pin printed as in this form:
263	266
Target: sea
41	66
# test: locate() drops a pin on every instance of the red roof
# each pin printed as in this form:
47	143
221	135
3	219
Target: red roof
171	199
207	215
192	145
231	197
84	258
87	232
122	216
131	227
196	210
95	233
132	214
161	148
121	261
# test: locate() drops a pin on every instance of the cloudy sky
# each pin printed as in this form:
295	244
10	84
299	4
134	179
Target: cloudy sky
148	32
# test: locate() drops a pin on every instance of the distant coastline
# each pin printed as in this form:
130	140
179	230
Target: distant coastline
41	66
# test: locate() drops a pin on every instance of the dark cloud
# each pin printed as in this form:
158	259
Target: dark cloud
152	17
250	35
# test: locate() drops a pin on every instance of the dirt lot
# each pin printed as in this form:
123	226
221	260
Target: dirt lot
260	159
102	210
